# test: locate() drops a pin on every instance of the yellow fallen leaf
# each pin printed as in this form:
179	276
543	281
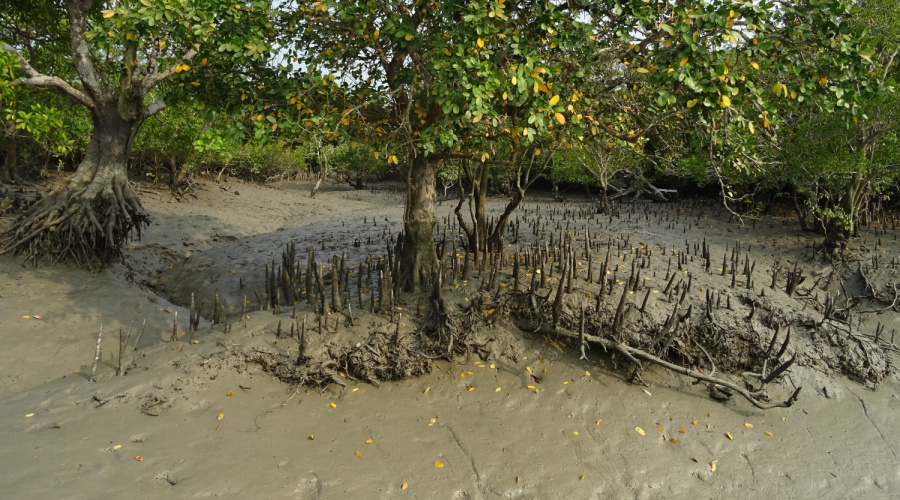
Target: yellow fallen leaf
356	389
493	366
748	425
139	458
696	422
531	387
196	341
712	466
312	437
575	432
404	486
528	369
471	389
333	405
682	430
582	478
537	391
179	346
729	436
640	431
587	373
230	393
497	390
784	419
36	316
369	441
433	420
600	421
438	464
221	416
660	429
116	447
673	440
566	382
218	427
767	433
358	454
26	317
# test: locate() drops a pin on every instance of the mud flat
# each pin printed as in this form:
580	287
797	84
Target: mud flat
515	413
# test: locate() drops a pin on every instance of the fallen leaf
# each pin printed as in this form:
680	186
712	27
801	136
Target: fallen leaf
497	390
528	369
404	486
358	454
660	429
471	389
600	421
712	466
767	433
729	436
26	317
333	405
179	346
116	447
230	393
426	390
640	431
696	422
517	479
196	341
673	440
369	441
438	464
218	427
587	373
493	366
221	416
356	389
29	415
694	459
312	437
139	458
575	432
748	425
647	392
582	478
36	316
682	430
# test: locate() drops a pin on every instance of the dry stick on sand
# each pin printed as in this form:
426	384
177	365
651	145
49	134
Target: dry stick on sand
123	342
96	356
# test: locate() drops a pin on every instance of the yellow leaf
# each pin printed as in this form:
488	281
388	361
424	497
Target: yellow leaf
767	433
673	440
754	64
29	415
692	103
312	437
480	43
116	447
682	430
128	36
408	38
643	70
748	425
712	466
587	373
196	83
729	436
490	311
513	80
725	101
554	100
404	486
438	464
221	416
162	44
497	390
230	393
640	431
575	432
471	389
504	96
561	118
358	454
683	61
108	14
375	36
369	441
660	429
333	405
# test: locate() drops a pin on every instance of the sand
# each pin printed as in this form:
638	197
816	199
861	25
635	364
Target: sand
194	420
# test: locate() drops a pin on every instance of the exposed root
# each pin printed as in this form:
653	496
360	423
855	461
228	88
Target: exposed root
86	227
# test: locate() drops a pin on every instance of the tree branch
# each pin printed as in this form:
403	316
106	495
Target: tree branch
38	79
153	79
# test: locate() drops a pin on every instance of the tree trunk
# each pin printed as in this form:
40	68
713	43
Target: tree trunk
8	172
418	256
88	220
839	230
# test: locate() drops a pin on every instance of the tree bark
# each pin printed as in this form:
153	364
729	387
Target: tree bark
8	172
418	256
838	231
88	220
